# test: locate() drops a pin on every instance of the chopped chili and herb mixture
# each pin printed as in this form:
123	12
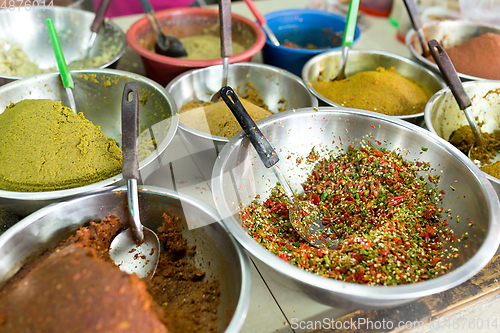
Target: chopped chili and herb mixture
383	212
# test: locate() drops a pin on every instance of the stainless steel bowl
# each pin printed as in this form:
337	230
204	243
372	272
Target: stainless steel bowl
28	28
325	66
98	94
448	33
274	84
216	252
239	175
443	116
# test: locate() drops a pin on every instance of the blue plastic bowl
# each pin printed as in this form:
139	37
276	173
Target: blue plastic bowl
302	27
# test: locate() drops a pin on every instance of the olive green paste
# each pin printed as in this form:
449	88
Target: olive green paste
383	91
45	146
463	139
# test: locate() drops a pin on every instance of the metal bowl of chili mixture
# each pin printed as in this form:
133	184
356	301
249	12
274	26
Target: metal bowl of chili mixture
464	212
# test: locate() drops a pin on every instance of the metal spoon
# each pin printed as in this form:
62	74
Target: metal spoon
453	81
312	232
350	27
166	45
136	249
96	25
226	42
262	21
412	9
66	78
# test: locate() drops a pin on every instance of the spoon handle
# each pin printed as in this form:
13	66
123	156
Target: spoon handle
66	78
99	15
130	156
264	149
226	34
449	74
149	11
350	26
412	10
130	130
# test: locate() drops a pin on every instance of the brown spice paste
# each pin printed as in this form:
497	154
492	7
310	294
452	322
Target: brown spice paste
178	297
463	139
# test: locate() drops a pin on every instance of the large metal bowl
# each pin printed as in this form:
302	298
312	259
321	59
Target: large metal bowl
27	27
239	176
98	94
277	87
449	33
325	66
216	252
443	116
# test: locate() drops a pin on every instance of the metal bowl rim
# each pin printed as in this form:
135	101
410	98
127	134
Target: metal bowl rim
321	56
274	69
242	307
47	195
398	292
428	63
115	27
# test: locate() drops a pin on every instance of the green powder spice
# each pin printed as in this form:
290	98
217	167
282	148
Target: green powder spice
45	146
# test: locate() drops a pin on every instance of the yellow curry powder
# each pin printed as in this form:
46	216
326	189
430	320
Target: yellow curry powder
45	146
383	91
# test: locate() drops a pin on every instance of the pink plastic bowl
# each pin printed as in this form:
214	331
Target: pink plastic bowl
184	22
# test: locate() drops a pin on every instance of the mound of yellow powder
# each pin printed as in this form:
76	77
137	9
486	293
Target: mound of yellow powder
383	91
45	146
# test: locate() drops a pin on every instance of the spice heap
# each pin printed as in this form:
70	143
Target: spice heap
383	214
382	90
477	56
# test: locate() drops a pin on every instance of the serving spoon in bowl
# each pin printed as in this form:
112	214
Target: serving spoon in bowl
348	39
305	217
136	249
166	45
452	79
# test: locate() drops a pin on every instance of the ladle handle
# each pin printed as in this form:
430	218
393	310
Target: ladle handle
130	130
130	156
99	15
264	149
449	74
412	9
350	26
261	19
150	13
226	34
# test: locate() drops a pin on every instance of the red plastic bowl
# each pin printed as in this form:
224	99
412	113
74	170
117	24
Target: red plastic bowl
184	22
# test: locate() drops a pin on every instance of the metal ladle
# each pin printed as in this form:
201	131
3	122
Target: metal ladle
136	249
416	23
453	81
348	39
312	232
166	45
